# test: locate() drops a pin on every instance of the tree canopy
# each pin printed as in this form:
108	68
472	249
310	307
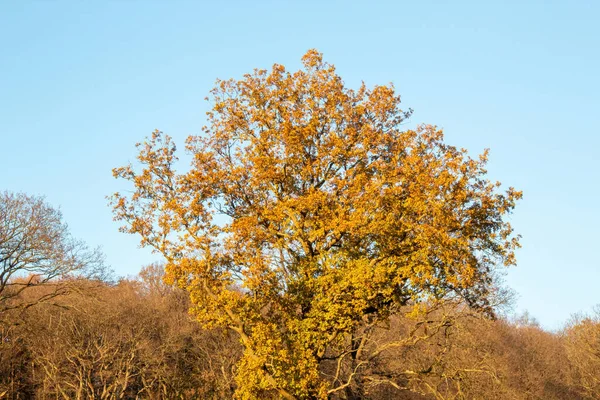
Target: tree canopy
309	215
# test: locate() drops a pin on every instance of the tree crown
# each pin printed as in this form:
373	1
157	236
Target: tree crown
330	212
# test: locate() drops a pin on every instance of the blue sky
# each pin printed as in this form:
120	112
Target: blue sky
82	82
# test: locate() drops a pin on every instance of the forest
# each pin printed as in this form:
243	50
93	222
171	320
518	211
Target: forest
315	248
134	339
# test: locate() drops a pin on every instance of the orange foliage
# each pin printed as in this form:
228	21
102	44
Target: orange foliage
307	211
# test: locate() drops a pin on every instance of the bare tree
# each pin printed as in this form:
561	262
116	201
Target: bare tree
36	249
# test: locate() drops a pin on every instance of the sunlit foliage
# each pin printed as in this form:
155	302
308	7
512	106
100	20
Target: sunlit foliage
309	216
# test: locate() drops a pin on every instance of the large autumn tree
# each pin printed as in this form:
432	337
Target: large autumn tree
309	215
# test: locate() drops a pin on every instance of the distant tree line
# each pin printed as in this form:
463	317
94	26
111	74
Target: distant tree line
136	340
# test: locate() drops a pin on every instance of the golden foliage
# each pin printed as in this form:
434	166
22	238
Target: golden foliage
309	211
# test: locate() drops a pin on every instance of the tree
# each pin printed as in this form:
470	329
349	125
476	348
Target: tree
115	341
37	249
582	343
309	216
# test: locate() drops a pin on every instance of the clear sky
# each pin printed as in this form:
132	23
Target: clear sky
81	82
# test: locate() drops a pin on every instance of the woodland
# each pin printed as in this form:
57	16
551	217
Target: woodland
315	248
